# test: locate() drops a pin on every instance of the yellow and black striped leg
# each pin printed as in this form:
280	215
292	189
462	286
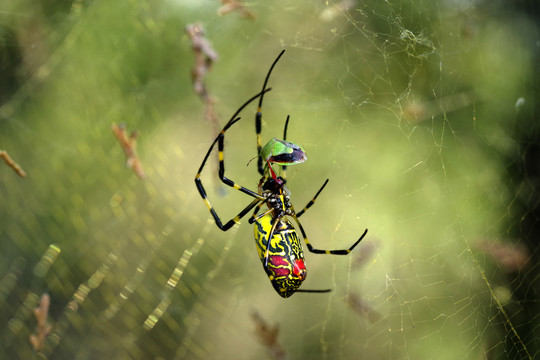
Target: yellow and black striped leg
312	201
327	252
256	217
274	222
223	178
258	128
284	167
242	213
220	140
258	117
234	220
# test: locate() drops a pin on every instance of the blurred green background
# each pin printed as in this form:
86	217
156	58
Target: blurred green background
421	113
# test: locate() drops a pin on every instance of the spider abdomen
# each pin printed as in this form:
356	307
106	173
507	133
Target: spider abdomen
285	266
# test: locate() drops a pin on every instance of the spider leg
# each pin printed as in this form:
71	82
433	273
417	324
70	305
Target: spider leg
221	145
314	291
258	117
327	252
312	201
256	217
284	167
267	252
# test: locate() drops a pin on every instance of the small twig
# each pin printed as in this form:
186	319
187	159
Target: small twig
417	111
128	145
509	256
233	5
267	335
364	254
205	56
43	328
12	164
362	308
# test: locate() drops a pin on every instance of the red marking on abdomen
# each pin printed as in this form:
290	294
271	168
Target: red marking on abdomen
277	262
299	269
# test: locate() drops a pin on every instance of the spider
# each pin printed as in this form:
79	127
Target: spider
282	257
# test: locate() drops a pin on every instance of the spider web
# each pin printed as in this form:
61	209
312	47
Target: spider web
421	113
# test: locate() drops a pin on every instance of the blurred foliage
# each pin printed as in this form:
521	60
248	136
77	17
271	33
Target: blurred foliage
414	109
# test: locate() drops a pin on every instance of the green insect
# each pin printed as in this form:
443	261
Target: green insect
276	239
282	153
